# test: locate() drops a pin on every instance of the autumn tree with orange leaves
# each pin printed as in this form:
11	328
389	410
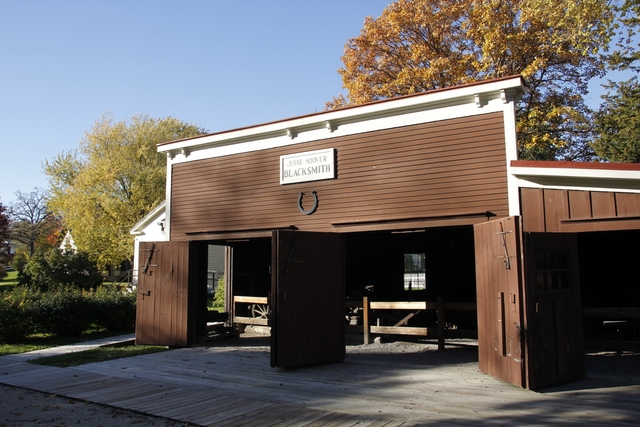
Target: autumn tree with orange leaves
421	45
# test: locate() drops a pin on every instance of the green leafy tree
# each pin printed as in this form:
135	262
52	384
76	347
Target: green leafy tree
626	55
618	119
58	269
421	45
112	181
618	124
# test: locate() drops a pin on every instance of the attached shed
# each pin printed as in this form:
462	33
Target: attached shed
152	229
149	229
414	199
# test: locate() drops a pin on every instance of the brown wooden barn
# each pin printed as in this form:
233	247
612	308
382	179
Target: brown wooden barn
405	203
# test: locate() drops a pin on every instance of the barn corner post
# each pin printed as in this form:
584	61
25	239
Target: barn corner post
273	300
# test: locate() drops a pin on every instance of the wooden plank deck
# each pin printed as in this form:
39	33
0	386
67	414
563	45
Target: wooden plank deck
232	384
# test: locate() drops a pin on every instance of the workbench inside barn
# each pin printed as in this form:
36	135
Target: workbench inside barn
620	326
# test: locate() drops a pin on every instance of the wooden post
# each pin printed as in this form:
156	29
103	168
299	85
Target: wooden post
440	323
365	319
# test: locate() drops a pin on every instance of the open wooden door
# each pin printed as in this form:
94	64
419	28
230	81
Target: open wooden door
307	299
529	311
500	297
555	343
165	312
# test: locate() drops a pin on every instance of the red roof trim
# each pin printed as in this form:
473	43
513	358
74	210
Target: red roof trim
551	164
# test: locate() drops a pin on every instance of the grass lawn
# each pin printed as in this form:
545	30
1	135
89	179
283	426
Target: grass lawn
99	354
10	281
40	341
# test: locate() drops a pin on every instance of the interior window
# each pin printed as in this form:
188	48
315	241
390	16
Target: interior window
414	272
552	270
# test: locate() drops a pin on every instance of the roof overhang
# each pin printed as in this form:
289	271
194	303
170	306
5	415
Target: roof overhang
151	217
351	120
623	177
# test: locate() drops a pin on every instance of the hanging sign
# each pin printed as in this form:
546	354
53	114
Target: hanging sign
308	166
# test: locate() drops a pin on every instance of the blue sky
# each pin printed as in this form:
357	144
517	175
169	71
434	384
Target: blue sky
218	64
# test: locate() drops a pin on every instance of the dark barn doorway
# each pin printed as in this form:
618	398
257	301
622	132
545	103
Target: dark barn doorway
248	282
293	283
251	266
415	265
610	286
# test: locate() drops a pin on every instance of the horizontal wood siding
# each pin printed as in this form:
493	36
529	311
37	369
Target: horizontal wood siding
450	167
546	210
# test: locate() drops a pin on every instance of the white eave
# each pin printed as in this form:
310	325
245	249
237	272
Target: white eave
345	121
578	176
151	217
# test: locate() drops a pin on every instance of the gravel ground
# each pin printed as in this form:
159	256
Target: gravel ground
20	407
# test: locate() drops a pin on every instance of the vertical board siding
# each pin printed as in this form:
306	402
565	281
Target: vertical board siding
161	315
580	204
555	338
441	168
309	302
547	210
499	299
603	204
145	306
556	207
628	204
532	209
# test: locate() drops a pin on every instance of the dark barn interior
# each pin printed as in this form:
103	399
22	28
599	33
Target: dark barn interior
378	264
609	280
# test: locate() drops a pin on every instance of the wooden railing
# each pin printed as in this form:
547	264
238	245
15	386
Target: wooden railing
612	312
366	306
413	307
246	320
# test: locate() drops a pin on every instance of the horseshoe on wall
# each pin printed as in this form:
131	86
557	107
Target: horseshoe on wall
315	203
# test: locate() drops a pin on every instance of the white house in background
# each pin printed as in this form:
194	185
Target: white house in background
12	246
68	243
149	229
152	229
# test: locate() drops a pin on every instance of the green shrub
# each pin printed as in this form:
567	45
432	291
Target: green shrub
17	309
113	308
19	261
64	312
218	296
57	269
